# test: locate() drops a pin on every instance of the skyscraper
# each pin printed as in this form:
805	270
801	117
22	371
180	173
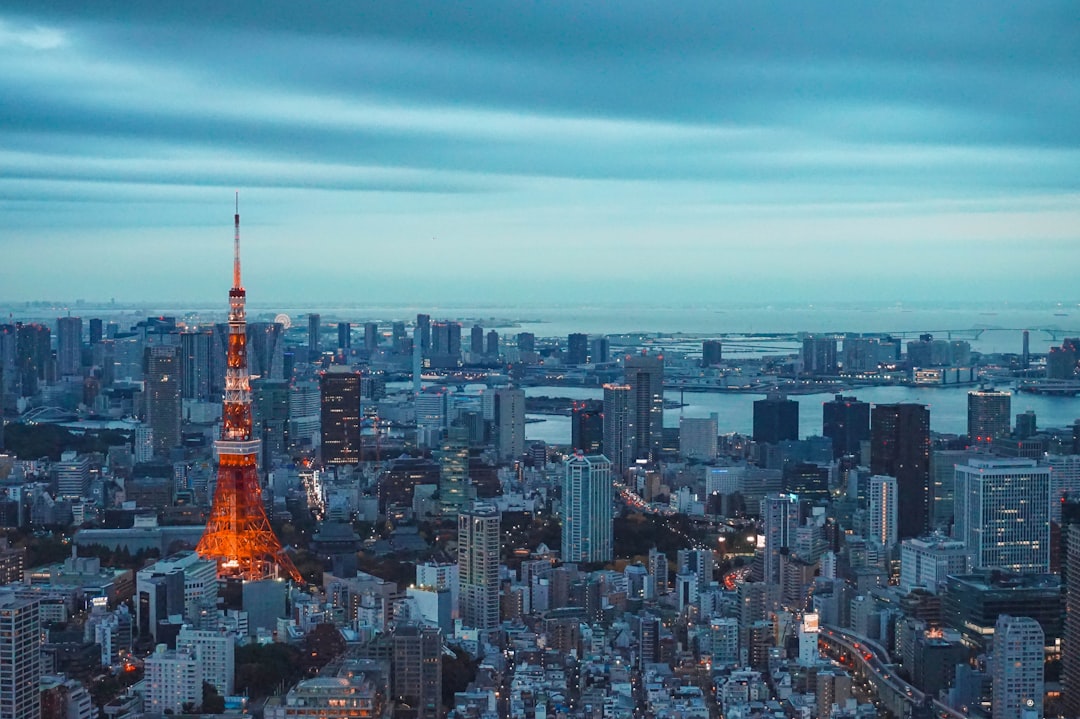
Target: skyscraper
1002	509
1017	671
510	423
453	459
492	344
587	426
846	421
314	335
20	657
989	414
340	416
1070	651
712	353
371	336
96	331
780	515
423	327
618	427
68	346
196	365
819	356
577	348
478	550
882	527
476	340
344	335
163	400
776	418
418	669
600	350
587	515
900	447
645	376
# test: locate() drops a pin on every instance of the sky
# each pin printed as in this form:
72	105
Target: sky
516	151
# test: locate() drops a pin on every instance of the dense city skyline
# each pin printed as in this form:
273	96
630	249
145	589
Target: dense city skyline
760	150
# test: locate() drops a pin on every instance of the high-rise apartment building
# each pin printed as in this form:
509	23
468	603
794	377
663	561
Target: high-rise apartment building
371	336
423	328
453	459
20	657
215	652
846	421
510	423
882	519
69	346
491	348
644	374
587	512
989	415
1017	677
900	447
173	679
776	418
1002	509
340	416
478	551
476	340
344	335
619	426
163	399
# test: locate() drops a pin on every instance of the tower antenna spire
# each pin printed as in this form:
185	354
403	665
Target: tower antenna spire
236	244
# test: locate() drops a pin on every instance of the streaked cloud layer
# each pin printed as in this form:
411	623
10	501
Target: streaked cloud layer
433	150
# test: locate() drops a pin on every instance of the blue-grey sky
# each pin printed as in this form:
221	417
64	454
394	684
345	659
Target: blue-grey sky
521	150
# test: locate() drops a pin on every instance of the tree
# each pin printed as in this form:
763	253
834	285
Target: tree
212	702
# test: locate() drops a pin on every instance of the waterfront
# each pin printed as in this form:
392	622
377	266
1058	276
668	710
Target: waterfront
735	412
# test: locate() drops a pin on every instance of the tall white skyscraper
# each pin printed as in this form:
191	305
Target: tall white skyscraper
1017	670
510	423
587	516
478	565
881	496
781	519
20	657
618	427
1002	509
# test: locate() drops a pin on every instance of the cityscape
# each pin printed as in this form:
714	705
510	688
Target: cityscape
578	360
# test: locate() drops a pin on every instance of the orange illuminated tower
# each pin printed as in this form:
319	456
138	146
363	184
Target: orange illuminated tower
238	536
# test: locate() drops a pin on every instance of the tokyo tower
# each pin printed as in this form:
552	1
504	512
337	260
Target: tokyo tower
238	536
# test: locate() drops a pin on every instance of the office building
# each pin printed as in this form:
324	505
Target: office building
453	459
1064	481
305	414
712	353
1070	650
417	669
526	342
197	366
96	327
928	562
340	416
371	337
270	415
347	694
882	519
577	348
846	421
780	517
266	349
972	603
73	475
491	349
314	335
699	563
644	375
819	356
478	551
618	427
776	418
344	335
163	400
476	340
698	438
600	350
900	447
1002	511
1017	671
943	464
587	511
20	657
989	414
587	426
68	346
423	328
510	423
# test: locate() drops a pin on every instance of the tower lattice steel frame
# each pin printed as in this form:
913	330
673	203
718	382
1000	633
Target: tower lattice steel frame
238	536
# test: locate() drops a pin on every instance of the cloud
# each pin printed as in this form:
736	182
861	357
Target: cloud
33	37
